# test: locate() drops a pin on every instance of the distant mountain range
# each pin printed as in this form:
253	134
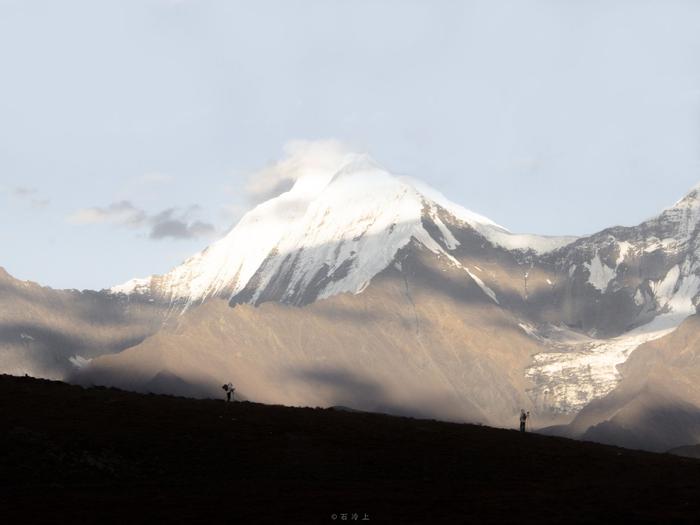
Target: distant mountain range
375	292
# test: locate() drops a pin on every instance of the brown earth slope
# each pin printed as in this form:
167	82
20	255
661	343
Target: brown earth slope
73	455
424	340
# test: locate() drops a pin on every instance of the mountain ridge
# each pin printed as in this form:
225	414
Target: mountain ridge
315	215
139	458
351	239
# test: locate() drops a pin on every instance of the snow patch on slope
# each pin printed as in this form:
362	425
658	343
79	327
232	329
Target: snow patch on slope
488	291
677	291
134	286
540	244
600	274
663	288
447	236
625	248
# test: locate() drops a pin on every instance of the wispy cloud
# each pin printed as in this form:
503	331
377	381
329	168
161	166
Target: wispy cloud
122	213
173	223
301	158
176	225
30	195
21	191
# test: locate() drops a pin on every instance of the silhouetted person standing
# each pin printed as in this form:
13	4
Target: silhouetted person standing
523	419
228	388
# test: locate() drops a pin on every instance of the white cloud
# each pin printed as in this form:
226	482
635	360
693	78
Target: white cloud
30	195
301	158
123	213
233	212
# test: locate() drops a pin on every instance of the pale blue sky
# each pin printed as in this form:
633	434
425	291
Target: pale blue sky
553	117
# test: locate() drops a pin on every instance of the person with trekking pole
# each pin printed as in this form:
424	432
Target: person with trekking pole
523	419
230	391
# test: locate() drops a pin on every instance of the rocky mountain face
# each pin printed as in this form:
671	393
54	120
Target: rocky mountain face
372	291
620	288
50	333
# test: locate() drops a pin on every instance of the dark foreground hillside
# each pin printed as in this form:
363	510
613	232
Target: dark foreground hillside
73	455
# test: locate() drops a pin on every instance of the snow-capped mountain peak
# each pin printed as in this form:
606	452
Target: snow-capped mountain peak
337	227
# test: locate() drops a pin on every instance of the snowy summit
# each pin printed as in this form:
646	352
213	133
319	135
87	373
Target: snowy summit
341	223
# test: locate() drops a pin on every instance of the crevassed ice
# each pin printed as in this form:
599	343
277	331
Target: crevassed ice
567	381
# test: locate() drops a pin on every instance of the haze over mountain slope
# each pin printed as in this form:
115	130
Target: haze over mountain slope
419	340
49	333
361	288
